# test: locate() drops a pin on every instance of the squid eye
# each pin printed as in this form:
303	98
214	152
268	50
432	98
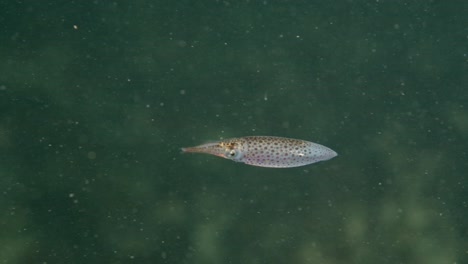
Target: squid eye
233	154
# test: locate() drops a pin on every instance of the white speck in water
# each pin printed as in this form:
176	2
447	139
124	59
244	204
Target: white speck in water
91	155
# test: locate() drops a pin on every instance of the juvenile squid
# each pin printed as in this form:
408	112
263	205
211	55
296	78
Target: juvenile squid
266	151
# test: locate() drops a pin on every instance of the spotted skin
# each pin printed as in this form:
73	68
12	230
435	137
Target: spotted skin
266	151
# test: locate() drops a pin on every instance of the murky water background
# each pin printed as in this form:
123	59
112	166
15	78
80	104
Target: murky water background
96	99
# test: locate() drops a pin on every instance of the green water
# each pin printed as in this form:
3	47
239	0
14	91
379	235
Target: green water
97	98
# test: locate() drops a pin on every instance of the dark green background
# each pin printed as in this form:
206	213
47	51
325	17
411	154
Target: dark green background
98	97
